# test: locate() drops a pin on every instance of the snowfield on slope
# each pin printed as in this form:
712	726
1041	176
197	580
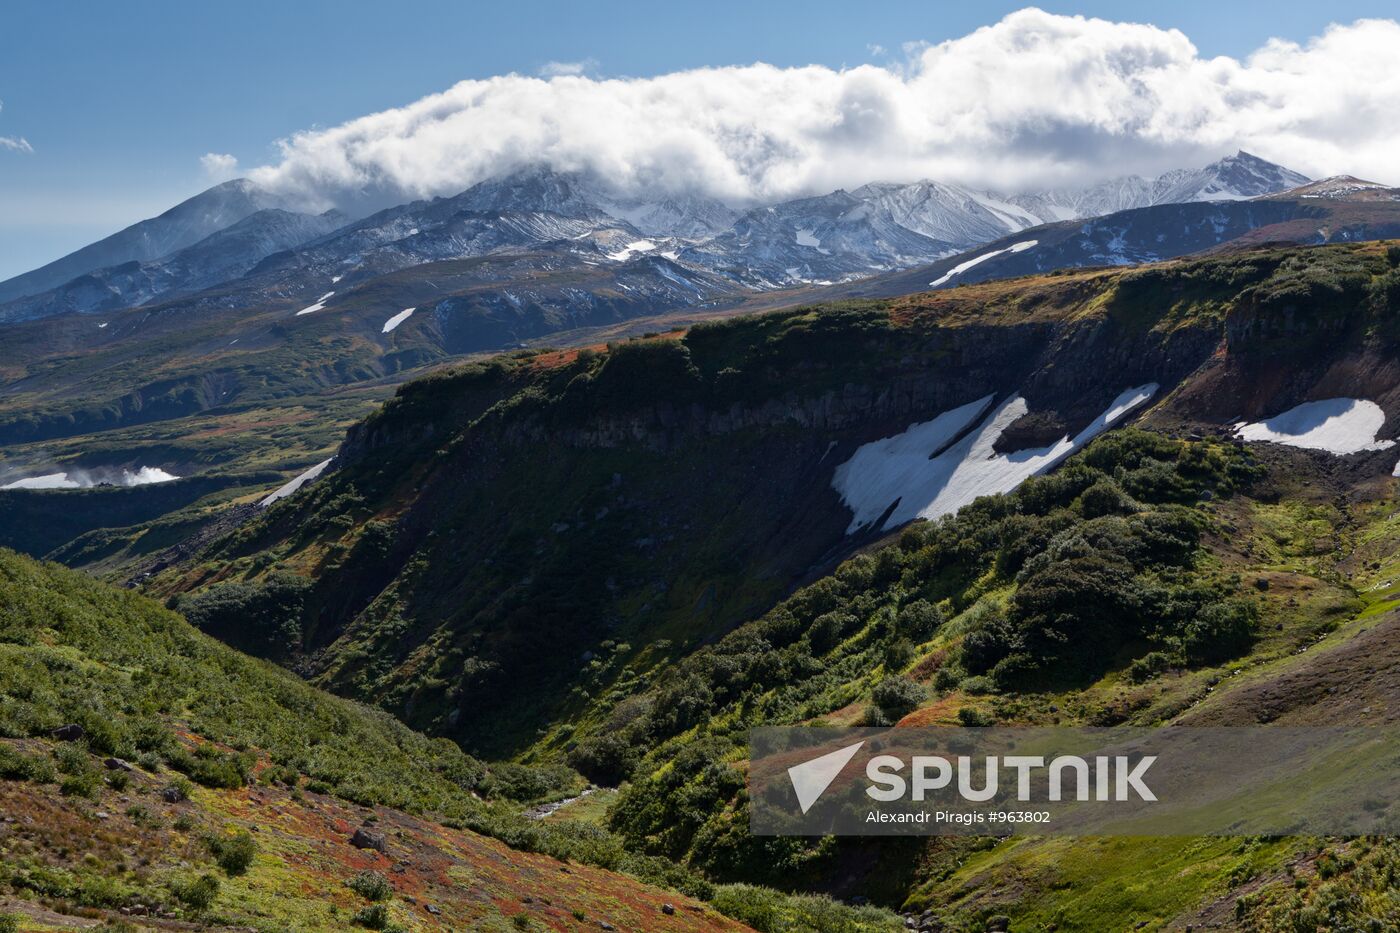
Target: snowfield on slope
962	267
84	479
921	473
636	246
307	477
1336	425
320	304
398	319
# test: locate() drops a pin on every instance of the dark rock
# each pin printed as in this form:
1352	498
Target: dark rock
998	924
69	733
116	764
1033	429
368	839
172	794
432	909
668	910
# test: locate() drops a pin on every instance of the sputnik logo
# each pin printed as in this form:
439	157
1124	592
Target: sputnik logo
811	778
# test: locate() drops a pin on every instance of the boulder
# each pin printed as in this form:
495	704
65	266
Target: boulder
366	838
69	733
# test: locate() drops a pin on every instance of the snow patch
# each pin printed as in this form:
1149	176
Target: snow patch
962	267
102	325
921	473
84	479
285	491
1336	425
808	237
319	305
636	246
398	319
336	278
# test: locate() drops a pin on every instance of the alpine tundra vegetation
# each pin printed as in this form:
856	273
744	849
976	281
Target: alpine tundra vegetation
407	533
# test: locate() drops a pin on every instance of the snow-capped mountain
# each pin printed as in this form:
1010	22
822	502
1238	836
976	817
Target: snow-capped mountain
834	237
684	216
828	238
1339	209
220	257
883	226
1234	178
525	210
183	225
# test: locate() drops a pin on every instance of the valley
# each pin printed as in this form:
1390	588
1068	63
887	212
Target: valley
497	558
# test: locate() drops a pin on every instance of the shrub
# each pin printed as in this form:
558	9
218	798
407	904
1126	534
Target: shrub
198	894
9	923
896	697
757	907
983	648
1149	666
233	853
1220	631
371	885
373	917
87	784
970	717
15	766
212	768
1105	498
919	620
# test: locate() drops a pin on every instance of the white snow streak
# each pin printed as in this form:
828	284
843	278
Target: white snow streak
1336	425
320	304
899	475
297	483
962	267
398	319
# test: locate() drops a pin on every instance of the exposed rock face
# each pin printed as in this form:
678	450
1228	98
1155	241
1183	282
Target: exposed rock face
1033	429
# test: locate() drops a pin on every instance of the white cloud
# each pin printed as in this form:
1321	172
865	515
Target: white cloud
14	143
569	69
219	166
1033	99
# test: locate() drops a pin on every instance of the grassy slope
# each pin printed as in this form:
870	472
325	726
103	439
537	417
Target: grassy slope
296	769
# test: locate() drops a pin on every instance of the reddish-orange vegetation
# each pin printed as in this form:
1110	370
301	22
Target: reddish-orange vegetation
442	878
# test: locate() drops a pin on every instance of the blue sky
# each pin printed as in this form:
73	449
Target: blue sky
119	101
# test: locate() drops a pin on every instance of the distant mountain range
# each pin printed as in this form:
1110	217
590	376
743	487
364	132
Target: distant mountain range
183	225
237	232
279	304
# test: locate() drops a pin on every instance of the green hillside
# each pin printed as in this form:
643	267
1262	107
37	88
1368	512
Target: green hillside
160	776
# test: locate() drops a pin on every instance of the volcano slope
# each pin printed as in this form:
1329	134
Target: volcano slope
152	778
592	555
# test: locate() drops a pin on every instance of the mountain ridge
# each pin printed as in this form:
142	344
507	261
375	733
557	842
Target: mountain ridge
877	227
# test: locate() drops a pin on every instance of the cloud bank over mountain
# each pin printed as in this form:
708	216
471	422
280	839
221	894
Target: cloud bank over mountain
1035	99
